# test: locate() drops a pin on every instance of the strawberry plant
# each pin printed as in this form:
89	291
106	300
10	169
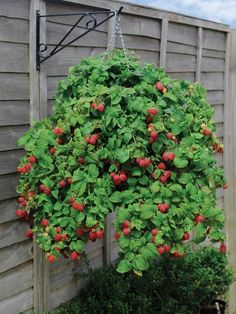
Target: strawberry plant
130	140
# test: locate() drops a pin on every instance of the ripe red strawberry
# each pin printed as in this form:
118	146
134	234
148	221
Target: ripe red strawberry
20	169
56	131
69	180
116	235
51	258
80	232
221	149
52	150
112	174
200	218
147	162
92	236
123	177
59	141
100	108
64	237
154	135
186	236
167	206
152	111
57	237
148	119
154	232
62	183
58	229
44	222
78	206
161	250
142	163
20	200
81	161
32	159
71	200
223	248
207	132
159	86
125	224
99	234
225	186
19	213
117	180
161	166
93	105
24	203
126	231
171	156
27	167
74	256
42	187
162	208
169	136
163	179
153	240
176	254
167	248
87	139
31	193
167	174
29	233
47	191
215	146
165	156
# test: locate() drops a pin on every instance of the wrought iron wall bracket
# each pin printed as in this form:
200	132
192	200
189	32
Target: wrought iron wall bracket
91	23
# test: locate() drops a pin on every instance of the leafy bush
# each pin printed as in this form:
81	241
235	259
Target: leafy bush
180	286
132	141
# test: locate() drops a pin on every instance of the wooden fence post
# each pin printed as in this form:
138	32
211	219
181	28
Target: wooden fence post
229	155
38	109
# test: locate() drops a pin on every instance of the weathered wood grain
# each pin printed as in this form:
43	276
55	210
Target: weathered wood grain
14	58
219	129
14	86
9	161
210	64
56	31
60	63
62	276
52	85
199	55
181	48
183	75
8	210
17	303
14	112
215	97
15	8
9	136
14	30
213	53
213	39
8	185
137	42
16	280
15	255
213	81
181	33
12	232
180	63
164	36
63	294
219	113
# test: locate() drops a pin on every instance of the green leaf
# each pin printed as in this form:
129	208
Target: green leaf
122	155
124	242
180	162
90	221
140	263
64	222
116	197
124	266
185	178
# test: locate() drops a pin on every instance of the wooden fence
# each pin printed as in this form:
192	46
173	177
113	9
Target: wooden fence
187	47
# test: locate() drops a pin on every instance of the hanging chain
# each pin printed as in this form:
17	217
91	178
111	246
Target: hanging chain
117	30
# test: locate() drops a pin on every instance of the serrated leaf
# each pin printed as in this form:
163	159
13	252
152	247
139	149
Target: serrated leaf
124	266
180	162
140	263
116	197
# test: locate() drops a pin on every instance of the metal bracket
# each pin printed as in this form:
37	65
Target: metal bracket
91	24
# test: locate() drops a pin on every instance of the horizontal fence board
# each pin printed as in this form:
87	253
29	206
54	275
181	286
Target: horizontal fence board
180	48
181	33
15	255
17	303
219	113
212	39
183	76
210	64
16	280
134	25
7	210
56	31
215	97
8	185
62	8
62	276
12	232
14	57
52	85
15	8
219	159
219	129
62	295
213	53
213	81
139	42
14	112
14	30
180	63
9	161
148	56
60	63
9	136
14	86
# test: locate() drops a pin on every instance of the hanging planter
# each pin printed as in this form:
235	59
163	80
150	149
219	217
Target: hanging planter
124	138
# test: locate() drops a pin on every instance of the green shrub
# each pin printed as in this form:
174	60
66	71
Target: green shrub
180	286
